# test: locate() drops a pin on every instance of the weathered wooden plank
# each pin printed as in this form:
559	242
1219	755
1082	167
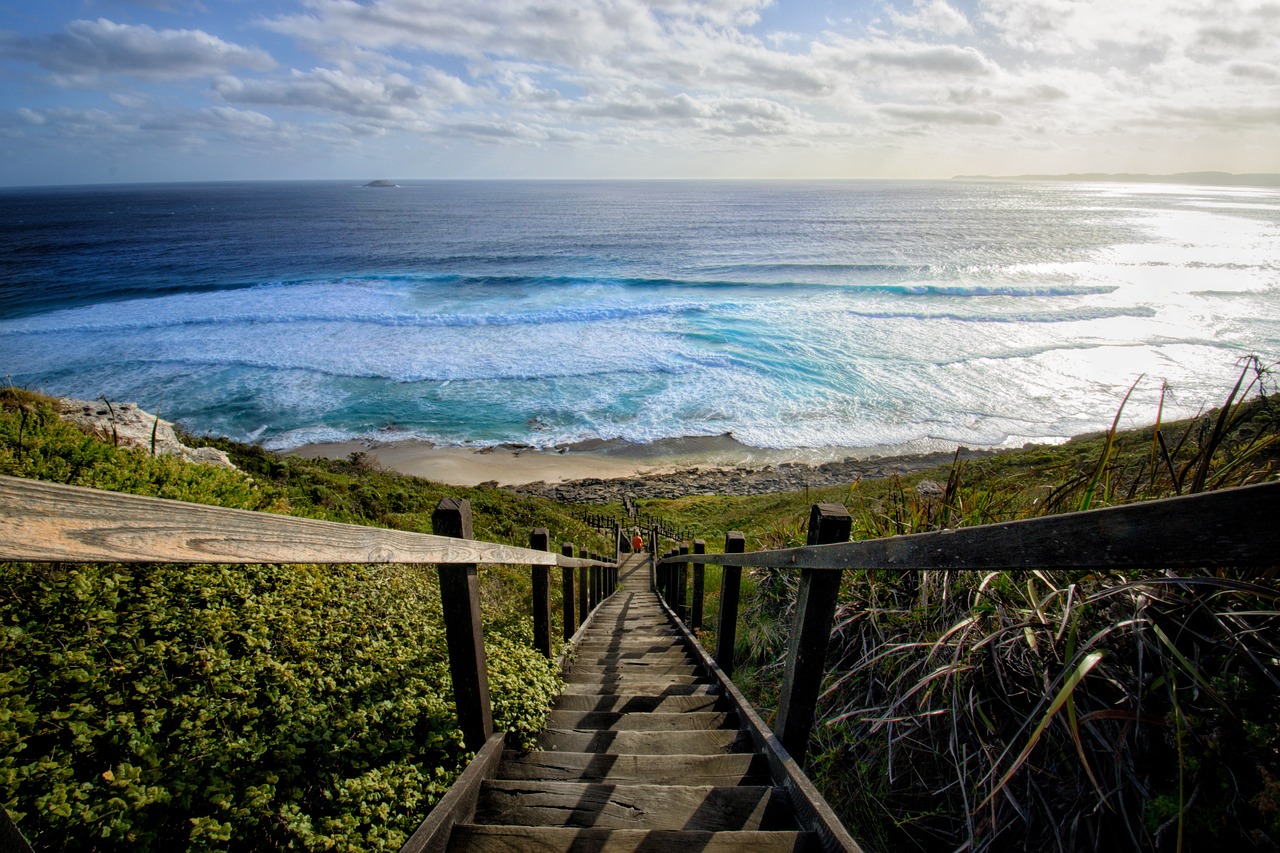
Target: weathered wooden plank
566	594
546	839
812	811
630	645
52	522
642	721
576	677
730	586
699	586
540	540
708	742
743	768
458	805
631	703
644	669
691	807
639	688
682	584
41	522
668	657
1232	528
807	649
464	630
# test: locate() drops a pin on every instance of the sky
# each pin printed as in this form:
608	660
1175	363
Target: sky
172	90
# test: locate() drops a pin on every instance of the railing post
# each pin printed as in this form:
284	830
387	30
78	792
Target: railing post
807	652
584	588
699	584
668	584
540	540
460	601
595	585
682	585
730	584
566	594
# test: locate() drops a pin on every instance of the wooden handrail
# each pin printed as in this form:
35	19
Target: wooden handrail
1233	528
1224	529
51	522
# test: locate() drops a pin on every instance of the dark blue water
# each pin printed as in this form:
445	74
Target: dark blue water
851	314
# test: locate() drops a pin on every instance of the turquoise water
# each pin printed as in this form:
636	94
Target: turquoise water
911	315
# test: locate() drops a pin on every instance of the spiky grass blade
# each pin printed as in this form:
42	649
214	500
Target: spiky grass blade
1090	661
1086	501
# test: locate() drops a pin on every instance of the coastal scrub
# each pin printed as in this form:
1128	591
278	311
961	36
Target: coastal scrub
260	707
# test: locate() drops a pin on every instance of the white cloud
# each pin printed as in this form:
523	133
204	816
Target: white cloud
902	55
1255	70
31	117
90	48
389	97
933	16
942	115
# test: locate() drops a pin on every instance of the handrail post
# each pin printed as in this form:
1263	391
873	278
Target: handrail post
566	594
811	631
460	602
730	586
584	588
682	585
540	540
699	584
668	579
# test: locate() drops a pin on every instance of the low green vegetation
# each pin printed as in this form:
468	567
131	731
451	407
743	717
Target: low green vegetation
1036	710
306	707
159	707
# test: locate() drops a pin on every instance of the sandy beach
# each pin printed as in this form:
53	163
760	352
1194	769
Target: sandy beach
598	470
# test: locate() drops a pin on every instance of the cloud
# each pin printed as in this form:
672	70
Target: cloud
390	97
538	30
90	48
942	115
933	16
32	117
1234	116
890	55
1254	70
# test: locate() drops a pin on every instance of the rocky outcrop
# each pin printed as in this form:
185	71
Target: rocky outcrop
129	426
787	477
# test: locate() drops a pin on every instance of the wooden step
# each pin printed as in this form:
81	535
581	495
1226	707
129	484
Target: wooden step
635	667
641	656
648	721
741	768
706	742
626	703
630	649
653	688
576	677
547	839
705	807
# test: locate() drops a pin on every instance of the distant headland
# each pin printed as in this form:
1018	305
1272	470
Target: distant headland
1215	179
382	183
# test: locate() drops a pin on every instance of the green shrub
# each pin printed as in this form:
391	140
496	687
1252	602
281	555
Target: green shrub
263	707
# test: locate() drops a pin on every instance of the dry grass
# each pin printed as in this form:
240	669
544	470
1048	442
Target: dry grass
1051	710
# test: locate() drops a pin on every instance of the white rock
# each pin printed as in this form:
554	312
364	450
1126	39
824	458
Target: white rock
132	427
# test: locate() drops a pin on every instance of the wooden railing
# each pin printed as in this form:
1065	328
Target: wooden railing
1235	529
48	522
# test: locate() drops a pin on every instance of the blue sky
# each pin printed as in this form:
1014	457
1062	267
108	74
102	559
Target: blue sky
159	90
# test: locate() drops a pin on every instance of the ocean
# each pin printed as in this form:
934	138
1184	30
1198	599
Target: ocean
886	315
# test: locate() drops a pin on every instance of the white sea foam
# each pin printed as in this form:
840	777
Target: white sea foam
914	341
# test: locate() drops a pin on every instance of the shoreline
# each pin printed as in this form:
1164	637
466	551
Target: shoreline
600	471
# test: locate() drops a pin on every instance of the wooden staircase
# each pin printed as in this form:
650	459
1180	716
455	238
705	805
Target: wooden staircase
643	752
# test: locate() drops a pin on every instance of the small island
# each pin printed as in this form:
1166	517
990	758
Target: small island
382	183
